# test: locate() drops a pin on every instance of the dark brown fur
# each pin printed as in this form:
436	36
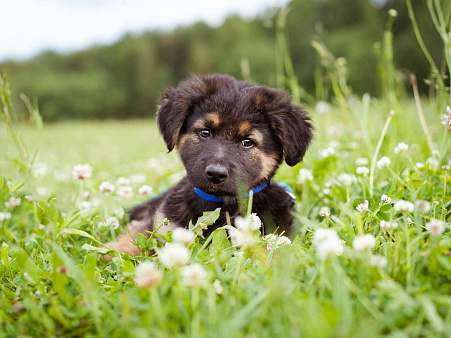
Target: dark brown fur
231	111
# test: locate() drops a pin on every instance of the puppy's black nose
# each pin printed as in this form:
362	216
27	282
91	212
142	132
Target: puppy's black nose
216	173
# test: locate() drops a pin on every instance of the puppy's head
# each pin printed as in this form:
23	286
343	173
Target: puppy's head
231	134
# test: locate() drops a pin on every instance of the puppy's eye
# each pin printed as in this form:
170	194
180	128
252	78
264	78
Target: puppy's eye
204	133
247	143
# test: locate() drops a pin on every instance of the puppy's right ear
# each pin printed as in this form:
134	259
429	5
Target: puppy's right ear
177	104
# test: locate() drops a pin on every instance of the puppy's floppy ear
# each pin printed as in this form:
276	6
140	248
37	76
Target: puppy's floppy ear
290	123
177	104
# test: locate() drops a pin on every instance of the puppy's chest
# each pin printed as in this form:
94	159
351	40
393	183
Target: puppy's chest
181	214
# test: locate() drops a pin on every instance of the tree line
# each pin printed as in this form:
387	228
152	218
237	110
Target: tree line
126	79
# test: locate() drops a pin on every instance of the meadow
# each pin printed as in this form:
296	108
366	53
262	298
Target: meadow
371	255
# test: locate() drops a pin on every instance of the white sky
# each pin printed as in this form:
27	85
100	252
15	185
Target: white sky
28	27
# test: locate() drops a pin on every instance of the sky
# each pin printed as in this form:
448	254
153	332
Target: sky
28	27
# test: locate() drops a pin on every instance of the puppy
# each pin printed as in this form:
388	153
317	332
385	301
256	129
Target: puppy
231	136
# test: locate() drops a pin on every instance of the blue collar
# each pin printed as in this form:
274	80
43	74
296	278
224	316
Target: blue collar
218	199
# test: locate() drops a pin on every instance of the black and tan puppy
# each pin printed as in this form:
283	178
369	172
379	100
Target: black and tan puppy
229	134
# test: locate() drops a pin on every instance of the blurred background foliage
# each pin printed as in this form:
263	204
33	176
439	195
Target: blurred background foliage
126	79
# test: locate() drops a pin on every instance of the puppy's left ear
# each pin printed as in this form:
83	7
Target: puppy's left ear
177	104
290	123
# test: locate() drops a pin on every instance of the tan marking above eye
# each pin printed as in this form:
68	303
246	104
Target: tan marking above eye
213	118
199	124
257	136
244	128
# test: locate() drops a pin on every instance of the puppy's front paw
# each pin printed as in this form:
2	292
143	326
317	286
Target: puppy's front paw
125	244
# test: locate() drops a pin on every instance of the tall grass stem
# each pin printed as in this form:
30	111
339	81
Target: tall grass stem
378	148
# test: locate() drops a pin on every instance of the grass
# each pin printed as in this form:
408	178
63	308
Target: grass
53	285
54	282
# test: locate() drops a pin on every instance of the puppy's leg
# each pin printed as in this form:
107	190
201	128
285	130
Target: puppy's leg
125	243
141	221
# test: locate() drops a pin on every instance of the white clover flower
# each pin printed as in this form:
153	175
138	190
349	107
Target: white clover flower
401	147
446	118
384	162
419	165
123	181
119	212
145	190
112	222
322	107
433	163
242	223
327	152
251	222
41	191
138	178
4	216
446	167
274	241
329	248
385	225
283	240
327	243
183	236
304	176
362	161
239	254
393	12
346	179
334	144
174	255
385	199
363	243
409	220
13	202
403	206
29	198
378	261
82	171
147	275
194	275
125	191
435	227
363	207
326	191
322	234
41	227
364	171
255	221
86	195
84	206
354	145
333	131
331	183
324	212
106	187
423	206
153	163
217	286
40	169
242	237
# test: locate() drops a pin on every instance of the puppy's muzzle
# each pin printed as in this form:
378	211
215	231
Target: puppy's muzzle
216	173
